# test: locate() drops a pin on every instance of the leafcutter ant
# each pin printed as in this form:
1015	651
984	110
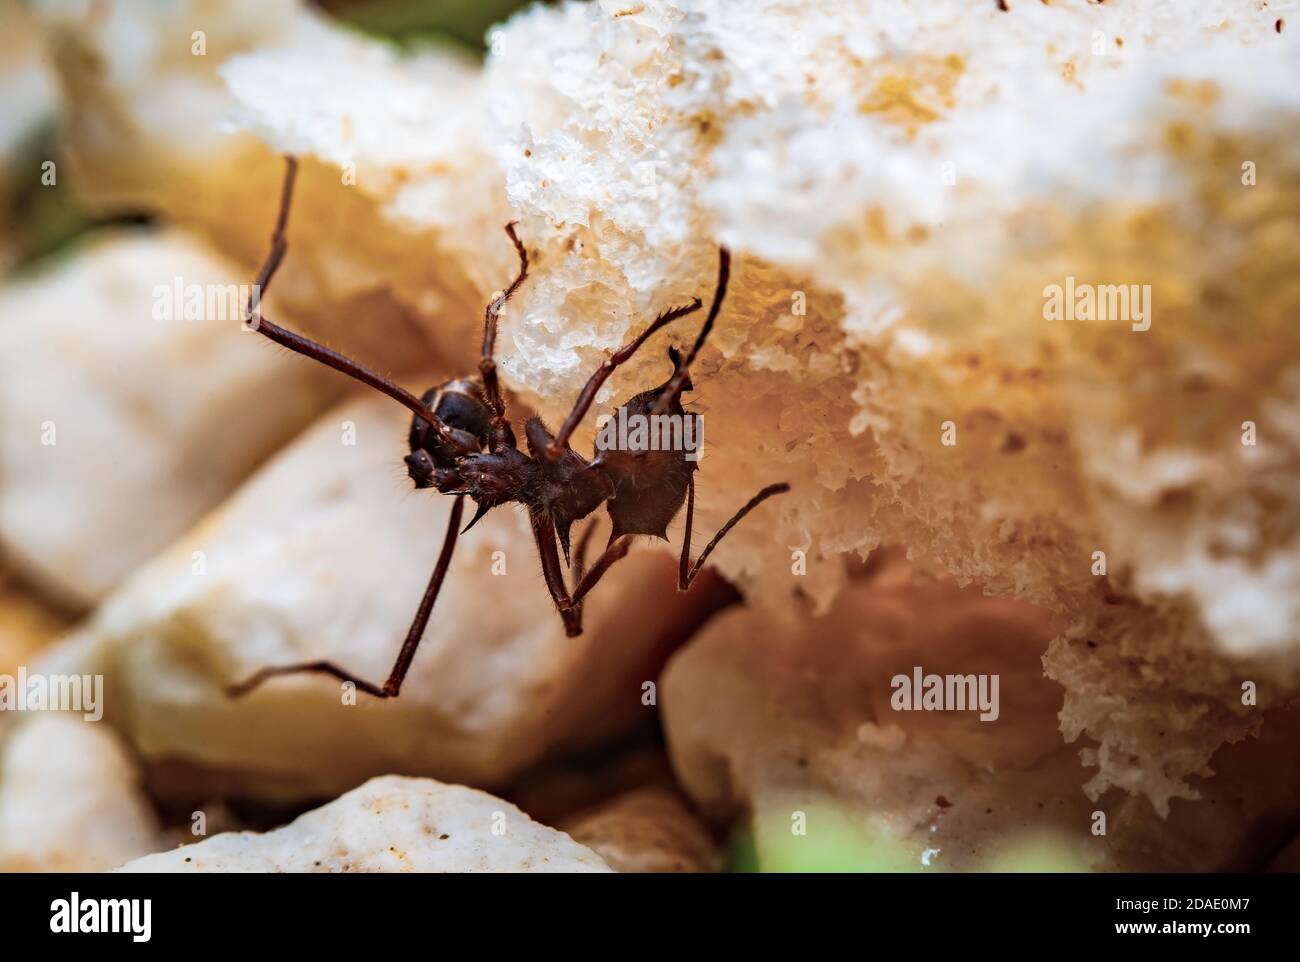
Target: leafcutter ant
462	444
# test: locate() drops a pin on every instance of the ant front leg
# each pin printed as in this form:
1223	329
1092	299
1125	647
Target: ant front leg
393	685
279	244
309	348
487	365
686	572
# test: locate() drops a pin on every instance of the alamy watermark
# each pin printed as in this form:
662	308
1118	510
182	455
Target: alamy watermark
1094	302
626	431
921	692
185	301
73	915
38	692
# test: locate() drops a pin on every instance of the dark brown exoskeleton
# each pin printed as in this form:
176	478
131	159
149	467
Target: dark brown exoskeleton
462	444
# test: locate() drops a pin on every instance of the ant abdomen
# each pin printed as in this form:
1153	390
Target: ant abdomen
650	480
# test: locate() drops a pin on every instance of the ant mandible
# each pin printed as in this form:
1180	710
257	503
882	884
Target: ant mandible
462	444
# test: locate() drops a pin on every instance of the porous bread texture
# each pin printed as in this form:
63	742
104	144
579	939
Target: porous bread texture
124	417
790	726
816	139
899	183
391	824
324	554
1149	688
70	798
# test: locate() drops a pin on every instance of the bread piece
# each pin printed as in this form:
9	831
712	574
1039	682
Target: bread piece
70	798
126	412
391	824
793	728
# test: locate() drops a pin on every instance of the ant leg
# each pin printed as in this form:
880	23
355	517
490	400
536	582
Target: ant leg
580	558
676	383
549	552
616	551
345	365
570	607
686	572
318	667
414	635
580	549
393	685
309	348
279	243
621	356
487	365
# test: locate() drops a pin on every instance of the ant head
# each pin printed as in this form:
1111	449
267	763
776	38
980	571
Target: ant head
462	406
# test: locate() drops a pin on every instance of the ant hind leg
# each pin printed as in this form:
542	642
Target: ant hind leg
687	572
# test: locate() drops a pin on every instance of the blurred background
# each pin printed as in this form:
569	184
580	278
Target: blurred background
40	223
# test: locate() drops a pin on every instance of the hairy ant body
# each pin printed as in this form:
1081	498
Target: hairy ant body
462	444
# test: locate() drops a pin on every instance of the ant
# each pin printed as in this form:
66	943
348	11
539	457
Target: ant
462	444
